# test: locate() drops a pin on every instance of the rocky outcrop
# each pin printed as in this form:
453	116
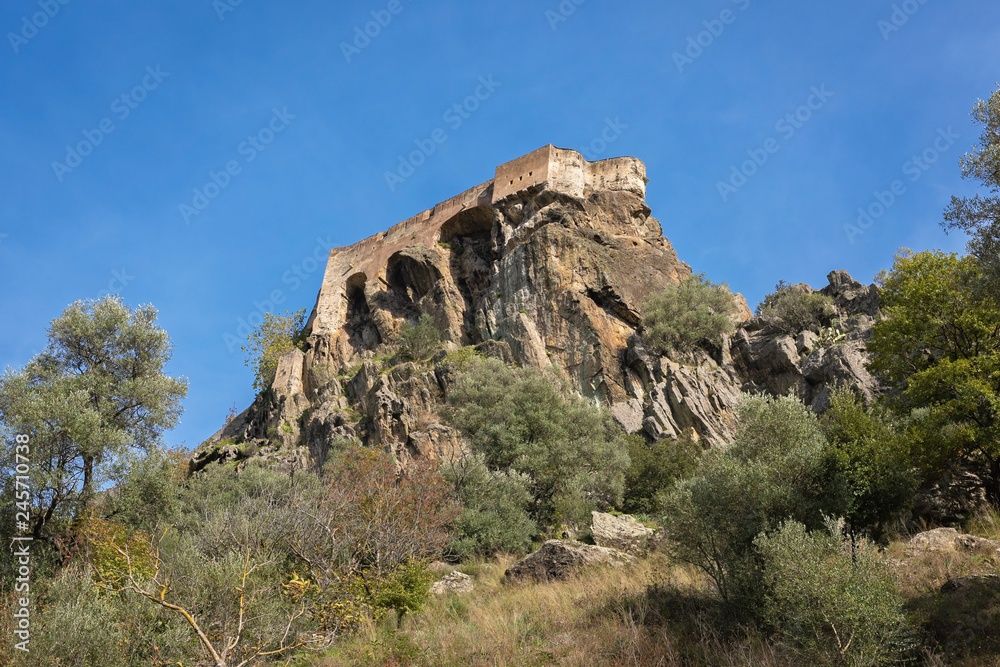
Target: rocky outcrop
950	499
622	533
949	540
549	265
558	559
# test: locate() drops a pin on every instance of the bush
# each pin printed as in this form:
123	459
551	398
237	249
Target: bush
696	311
495	514
417	341
792	309
832	600
873	454
777	468
573	452
655	468
275	336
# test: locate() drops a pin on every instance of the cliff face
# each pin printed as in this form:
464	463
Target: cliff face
547	265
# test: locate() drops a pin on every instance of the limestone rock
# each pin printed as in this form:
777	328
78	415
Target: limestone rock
455	583
558	559
622	533
949	540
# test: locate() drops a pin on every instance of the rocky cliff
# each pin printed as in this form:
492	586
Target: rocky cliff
547	265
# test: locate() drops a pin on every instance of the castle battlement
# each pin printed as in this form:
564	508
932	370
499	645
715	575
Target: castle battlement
548	168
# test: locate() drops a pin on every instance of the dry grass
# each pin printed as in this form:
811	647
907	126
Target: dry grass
648	614
654	614
960	629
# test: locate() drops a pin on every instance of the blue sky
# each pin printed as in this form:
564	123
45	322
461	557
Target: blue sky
164	97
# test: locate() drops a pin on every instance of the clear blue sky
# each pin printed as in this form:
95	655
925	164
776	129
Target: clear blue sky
199	78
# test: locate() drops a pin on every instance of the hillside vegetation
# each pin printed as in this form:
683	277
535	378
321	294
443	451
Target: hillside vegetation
846	520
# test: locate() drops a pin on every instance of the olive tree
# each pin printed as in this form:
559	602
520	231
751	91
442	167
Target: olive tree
95	396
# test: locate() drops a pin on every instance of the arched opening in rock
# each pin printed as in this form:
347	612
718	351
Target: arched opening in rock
469	237
358	323
410	281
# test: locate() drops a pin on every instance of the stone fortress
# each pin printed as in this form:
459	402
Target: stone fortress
549	266
549	168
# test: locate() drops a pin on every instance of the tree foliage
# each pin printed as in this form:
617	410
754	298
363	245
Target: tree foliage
496	506
979	215
417	341
939	346
96	397
654	469
275	336
777	468
832	599
573	452
873	453
693	312
793	308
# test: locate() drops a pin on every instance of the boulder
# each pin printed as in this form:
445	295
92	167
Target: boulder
456	582
623	532
558	559
949	540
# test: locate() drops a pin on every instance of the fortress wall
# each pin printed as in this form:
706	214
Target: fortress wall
520	174
623	173
558	169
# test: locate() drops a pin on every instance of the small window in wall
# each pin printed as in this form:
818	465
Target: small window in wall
520	178
512	182
531	173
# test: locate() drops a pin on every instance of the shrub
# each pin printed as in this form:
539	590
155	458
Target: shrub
791	309
417	341
695	311
495	514
873	454
655	468
777	468
832	600
275	336
573	452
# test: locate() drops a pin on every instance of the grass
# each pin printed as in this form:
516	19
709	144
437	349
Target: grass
647	614
656	614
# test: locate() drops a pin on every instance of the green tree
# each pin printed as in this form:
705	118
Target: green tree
939	347
95	396
496	506
275	336
778	467
832	599
573	451
873	452
693	312
655	468
416	341
979	215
